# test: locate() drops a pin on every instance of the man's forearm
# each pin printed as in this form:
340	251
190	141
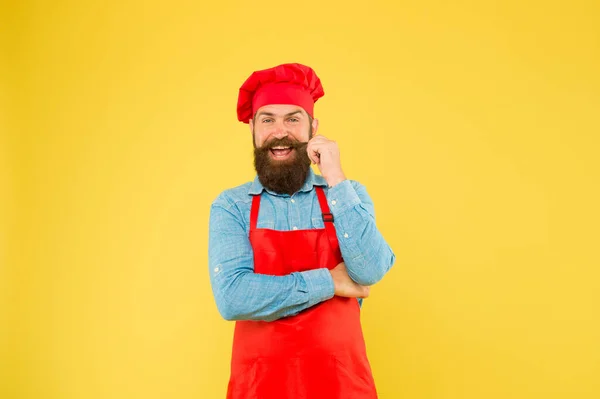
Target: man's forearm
243	295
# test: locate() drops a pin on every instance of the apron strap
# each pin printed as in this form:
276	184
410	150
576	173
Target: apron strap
328	220
254	211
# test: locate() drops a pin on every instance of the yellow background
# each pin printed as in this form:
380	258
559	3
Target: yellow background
474	126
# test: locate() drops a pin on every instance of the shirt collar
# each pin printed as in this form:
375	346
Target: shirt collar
311	180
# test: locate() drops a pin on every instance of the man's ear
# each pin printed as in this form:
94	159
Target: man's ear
251	124
315	126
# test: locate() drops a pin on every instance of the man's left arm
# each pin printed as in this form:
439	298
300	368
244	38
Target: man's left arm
366	254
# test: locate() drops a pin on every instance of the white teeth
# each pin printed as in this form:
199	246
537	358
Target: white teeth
280	148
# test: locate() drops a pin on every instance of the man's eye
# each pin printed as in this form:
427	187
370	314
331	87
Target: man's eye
267	120
293	119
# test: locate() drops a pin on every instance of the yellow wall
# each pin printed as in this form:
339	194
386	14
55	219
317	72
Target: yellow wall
474	126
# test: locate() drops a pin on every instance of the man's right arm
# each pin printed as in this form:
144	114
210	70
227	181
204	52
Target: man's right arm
241	294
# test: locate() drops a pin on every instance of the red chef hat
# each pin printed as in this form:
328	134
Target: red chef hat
284	84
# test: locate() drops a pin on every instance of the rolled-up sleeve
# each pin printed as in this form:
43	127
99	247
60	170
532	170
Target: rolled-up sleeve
241	294
366	254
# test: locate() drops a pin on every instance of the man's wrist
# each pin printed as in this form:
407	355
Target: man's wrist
320	285
331	182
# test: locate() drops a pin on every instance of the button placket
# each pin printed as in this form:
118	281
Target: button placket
293	214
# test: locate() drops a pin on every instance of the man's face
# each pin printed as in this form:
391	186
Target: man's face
280	133
277	121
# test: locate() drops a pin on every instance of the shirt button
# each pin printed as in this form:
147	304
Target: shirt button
216	269
293	201
333	202
294	228
345	235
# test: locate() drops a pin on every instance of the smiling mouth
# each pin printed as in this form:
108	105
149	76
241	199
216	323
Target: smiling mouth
281	152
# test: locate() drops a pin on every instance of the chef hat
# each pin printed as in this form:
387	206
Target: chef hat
284	84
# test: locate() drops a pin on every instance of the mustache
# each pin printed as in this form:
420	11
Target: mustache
284	142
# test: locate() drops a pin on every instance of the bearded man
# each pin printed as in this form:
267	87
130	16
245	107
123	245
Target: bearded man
292	254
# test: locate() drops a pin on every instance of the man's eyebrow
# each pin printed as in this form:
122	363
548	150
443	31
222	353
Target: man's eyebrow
261	113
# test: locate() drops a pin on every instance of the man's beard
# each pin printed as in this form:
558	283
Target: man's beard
286	176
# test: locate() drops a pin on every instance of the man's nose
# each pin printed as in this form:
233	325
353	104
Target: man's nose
280	131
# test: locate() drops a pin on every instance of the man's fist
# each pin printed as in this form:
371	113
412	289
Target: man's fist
345	286
326	155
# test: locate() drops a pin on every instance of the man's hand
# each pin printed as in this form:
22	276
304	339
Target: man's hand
326	155
345	286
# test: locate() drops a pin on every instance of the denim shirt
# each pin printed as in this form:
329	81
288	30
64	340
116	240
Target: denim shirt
241	294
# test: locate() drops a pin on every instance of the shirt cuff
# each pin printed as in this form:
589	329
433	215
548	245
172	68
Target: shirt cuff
342	197
319	284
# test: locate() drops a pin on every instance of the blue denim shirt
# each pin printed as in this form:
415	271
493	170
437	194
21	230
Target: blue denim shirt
240	294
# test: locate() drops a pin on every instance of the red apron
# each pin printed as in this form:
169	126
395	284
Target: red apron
318	353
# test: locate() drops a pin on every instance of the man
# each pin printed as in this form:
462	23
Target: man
292	254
